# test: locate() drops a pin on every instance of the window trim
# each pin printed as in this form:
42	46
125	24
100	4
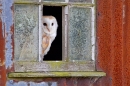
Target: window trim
57	74
23	66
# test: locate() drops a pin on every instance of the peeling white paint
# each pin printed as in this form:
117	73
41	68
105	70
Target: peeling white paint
2	18
20	83
40	30
7	22
23	83
93	32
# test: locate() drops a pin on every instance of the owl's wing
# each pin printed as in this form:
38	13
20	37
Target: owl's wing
45	42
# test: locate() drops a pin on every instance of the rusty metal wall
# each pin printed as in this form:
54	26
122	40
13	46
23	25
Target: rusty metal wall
2	53
126	45
3	77
113	46
113	26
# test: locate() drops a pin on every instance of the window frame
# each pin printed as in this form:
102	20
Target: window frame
64	65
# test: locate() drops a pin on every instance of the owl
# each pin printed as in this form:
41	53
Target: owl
49	32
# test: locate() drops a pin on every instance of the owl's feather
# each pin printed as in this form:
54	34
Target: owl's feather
45	42
49	33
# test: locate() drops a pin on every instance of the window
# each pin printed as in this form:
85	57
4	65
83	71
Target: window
74	47
55	53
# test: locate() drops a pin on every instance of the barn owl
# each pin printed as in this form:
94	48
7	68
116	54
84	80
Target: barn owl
49	29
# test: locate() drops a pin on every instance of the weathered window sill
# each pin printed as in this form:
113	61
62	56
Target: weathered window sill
57	74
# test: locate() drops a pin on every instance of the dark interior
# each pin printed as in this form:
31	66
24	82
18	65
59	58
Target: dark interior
55	53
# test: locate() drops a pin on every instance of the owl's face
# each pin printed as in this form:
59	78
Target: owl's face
49	24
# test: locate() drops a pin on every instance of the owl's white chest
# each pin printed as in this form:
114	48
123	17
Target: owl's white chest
52	36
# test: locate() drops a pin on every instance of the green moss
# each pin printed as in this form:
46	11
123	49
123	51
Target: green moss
54	66
57	74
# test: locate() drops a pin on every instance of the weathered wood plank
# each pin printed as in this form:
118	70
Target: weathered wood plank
57	74
54	66
51	3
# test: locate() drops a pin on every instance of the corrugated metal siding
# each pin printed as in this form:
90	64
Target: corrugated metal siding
113	45
110	41
113	41
126	56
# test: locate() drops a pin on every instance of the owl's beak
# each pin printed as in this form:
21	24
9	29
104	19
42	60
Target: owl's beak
48	29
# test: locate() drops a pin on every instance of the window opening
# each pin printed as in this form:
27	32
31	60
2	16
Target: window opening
75	33
55	52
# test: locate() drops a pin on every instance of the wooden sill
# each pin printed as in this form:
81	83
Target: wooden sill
57	74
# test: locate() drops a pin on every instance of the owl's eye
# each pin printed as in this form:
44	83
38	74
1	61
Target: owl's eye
44	24
52	24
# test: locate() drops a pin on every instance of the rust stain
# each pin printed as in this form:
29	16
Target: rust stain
113	42
12	30
2	54
117	42
126	36
5	21
2	61
8	22
104	19
2	58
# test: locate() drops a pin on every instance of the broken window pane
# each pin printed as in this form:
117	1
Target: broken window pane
26	32
79	35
